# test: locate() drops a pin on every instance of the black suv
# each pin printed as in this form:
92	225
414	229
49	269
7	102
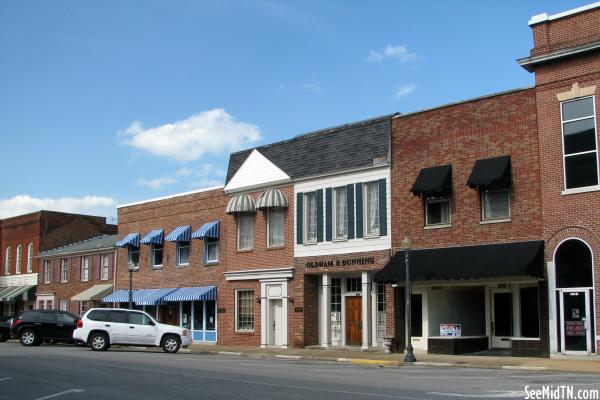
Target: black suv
35	327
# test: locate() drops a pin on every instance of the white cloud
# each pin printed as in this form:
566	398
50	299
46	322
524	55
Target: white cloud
23	204
312	86
214	131
184	172
156	183
208	169
399	53
405	90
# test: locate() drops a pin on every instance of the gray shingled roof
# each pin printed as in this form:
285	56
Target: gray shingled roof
98	242
326	151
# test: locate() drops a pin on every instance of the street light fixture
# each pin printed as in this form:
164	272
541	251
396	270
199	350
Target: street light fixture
131	268
406	246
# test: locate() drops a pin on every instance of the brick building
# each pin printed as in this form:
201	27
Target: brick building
566	61
24	237
174	245
75	277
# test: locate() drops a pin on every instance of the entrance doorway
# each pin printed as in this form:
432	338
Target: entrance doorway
575	321
276	323
502	318
353	320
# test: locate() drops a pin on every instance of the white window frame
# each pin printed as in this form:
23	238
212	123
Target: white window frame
250	217
334	212
85	268
381	318
104	274
30	258
7	261
18	259
438	200
305	218
130	253
366	210
269	212
564	156
47	271
64	270
485	191
63	305
155	248
179	247
207	243
237	293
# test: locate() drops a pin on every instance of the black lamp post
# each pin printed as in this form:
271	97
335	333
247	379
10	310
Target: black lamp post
409	356
131	268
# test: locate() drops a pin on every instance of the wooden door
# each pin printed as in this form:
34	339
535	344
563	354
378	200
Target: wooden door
353	320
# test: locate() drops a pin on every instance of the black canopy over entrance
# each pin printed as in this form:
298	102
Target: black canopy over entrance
468	262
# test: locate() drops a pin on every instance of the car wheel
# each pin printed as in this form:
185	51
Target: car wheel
99	342
171	344
28	338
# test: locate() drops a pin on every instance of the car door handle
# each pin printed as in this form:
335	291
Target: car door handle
37	323
132	327
59	325
107	325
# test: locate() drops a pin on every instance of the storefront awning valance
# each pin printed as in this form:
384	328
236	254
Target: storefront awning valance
490	171
155	236
272	198
433	181
241	203
180	234
10	292
210	230
468	262
193	294
132	239
154	297
96	292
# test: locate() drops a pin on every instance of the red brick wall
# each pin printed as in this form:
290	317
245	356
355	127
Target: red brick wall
20	231
461	134
573	215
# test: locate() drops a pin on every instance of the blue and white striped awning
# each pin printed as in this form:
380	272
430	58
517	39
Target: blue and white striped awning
154	297
210	230
241	203
180	234
193	294
272	198
122	296
155	236
132	239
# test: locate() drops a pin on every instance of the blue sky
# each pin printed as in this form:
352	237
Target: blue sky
109	102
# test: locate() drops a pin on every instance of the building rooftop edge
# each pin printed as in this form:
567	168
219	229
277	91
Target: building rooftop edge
171	196
536	19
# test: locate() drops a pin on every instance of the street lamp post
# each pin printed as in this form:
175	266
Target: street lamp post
409	356
131	268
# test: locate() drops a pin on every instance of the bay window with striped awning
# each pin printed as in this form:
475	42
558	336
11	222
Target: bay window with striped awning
210	233
243	207
155	239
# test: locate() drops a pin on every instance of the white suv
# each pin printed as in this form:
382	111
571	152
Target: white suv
102	327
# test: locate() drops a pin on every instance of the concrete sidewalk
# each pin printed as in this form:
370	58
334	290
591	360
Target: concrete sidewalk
564	363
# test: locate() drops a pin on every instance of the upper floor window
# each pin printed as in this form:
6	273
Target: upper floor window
310	217
29	258
85	268
437	211
580	153
245	231
372	208
157	255
133	255
495	203
340	213
183	253
105	266
64	270
211	251
47	272
7	261
275	227
19	259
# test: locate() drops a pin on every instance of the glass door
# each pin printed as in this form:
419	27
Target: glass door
575	324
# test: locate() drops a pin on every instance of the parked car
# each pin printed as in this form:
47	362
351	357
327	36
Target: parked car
37	326
102	327
4	331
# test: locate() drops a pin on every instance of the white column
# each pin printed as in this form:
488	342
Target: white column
552	307
284	316
263	315
366	310
516	296
326	310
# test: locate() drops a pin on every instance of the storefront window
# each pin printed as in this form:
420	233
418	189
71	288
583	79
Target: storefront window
354	285
244	312
381	316
336	309
186	314
210	315
198	316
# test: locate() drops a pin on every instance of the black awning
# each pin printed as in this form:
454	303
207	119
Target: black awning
433	181
468	262
490	171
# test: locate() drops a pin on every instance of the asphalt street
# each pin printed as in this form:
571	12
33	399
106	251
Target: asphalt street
69	372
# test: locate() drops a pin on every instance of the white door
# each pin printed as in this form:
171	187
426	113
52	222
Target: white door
575	321
276	323
140	329
502	318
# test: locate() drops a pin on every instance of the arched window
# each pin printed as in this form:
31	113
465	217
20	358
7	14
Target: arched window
573	262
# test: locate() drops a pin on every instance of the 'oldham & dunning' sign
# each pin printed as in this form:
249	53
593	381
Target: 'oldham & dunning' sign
341	263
